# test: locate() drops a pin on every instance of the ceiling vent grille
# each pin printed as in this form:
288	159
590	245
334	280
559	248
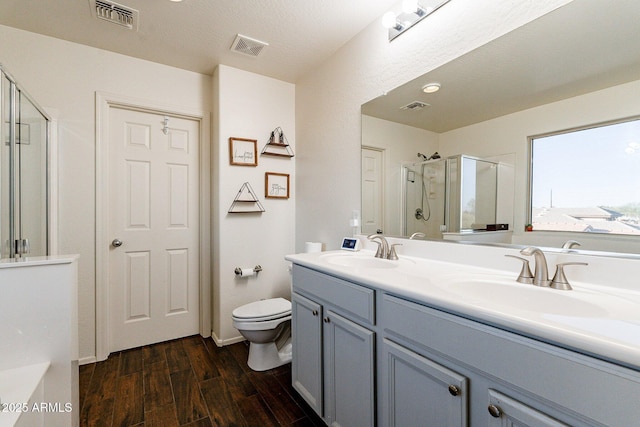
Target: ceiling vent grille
247	46
415	105
115	13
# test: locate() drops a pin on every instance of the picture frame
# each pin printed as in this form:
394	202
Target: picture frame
243	152
276	185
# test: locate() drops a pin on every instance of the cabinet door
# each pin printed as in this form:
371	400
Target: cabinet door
421	392
306	364
349	372
506	412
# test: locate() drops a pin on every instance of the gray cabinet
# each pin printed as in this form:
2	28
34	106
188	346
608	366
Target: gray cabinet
349	372
364	357
504	411
306	366
333	366
421	392
513	380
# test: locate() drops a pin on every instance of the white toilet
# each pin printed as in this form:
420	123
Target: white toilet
266	324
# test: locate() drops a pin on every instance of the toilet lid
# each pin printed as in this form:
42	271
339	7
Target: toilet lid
268	308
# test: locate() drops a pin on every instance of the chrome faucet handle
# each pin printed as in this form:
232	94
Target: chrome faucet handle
379	250
559	280
525	276
392	252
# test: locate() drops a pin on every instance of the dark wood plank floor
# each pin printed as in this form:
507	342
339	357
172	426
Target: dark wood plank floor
188	382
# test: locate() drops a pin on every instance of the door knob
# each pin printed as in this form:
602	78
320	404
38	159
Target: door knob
116	243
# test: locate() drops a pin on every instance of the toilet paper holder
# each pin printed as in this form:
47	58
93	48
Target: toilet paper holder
257	269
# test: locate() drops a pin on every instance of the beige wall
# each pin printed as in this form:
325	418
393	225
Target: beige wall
328	100
250	106
63	77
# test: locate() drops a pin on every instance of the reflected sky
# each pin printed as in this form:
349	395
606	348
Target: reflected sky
591	167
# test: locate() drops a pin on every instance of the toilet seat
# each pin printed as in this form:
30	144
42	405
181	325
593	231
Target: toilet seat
263	310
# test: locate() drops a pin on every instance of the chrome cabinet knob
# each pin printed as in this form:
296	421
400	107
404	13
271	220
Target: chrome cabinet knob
494	411
314	312
326	320
116	243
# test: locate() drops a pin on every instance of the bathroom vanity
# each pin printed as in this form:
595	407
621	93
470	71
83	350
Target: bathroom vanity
427	341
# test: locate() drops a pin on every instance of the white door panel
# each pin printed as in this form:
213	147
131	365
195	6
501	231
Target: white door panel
372	190
153	187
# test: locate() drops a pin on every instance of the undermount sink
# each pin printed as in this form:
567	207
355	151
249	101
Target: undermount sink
520	296
360	261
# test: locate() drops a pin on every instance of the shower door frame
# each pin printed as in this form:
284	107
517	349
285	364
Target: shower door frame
15	167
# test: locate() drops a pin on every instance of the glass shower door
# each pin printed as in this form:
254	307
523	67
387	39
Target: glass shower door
24	133
31	212
6	213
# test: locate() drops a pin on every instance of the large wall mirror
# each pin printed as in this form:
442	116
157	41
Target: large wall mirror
576	66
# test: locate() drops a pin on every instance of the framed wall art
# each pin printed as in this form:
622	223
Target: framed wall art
243	152
276	185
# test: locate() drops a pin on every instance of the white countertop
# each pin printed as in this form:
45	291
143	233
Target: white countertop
601	321
36	261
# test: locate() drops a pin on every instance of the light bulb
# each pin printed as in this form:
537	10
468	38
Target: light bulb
409	6
431	87
389	20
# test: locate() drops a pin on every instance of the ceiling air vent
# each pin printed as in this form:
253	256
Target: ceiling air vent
415	105
115	13
247	45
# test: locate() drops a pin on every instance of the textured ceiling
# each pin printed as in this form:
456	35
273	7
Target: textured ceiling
196	34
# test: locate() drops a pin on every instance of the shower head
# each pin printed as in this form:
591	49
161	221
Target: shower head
423	156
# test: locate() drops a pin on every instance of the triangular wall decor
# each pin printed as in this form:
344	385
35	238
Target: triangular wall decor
277	145
246	201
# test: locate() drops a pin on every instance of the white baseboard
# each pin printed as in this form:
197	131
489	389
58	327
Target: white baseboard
87	360
222	343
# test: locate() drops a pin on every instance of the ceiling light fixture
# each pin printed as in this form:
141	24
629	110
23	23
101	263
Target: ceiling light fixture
431	87
412	13
389	21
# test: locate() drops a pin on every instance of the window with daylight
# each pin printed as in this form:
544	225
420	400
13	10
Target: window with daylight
587	180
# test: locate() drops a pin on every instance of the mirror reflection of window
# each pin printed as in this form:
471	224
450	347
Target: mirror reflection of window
587	180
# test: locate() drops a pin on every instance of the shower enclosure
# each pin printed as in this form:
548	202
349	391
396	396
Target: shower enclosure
24	133
424	198
455	194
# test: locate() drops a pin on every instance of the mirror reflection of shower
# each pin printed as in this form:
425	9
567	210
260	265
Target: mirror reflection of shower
424	196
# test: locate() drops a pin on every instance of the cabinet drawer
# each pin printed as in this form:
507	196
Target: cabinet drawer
352	299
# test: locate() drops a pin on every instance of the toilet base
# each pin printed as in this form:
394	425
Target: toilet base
265	356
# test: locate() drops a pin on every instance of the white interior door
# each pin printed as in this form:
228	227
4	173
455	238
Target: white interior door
372	189
154	224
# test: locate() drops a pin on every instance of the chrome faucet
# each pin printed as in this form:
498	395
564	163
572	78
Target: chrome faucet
541	273
417	235
570	244
383	245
